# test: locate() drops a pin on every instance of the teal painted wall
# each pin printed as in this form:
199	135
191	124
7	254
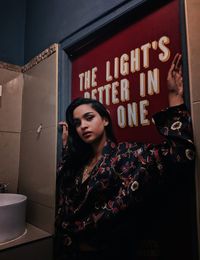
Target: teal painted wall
30	26
12	31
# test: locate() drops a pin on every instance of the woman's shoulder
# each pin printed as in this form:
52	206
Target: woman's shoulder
126	147
120	148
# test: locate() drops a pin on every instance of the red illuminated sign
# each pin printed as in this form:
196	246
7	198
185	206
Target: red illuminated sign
128	71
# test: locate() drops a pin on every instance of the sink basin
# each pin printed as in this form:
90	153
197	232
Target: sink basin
12	216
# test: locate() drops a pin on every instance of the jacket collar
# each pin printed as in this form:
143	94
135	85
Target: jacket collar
109	148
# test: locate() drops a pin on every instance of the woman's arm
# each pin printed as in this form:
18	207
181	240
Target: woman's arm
175	82
61	162
65	134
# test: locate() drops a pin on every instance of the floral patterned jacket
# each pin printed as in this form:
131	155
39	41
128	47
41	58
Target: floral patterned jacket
123	176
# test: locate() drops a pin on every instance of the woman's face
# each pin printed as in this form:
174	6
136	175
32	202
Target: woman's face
89	125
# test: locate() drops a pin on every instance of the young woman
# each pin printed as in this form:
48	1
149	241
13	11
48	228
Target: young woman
100	180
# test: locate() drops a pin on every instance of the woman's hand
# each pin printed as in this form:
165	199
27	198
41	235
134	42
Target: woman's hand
64	126
175	82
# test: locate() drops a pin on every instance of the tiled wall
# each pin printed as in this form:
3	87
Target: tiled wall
192	9
38	150
28	157
10	126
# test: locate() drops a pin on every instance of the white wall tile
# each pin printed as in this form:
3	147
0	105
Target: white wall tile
193	39
41	216
196	124
9	159
38	166
40	95
7	75
192	13
11	104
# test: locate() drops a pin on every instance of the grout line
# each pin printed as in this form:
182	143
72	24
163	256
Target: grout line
10	132
40	204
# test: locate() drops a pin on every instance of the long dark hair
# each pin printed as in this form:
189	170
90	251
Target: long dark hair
78	151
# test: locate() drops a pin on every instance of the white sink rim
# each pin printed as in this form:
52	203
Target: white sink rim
12	216
7	199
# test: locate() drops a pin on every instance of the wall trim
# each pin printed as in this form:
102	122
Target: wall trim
8	66
33	62
40	57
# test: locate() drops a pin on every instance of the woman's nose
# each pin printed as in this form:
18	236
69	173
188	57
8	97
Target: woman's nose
83	124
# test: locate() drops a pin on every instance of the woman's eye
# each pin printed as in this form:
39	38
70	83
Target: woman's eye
89	118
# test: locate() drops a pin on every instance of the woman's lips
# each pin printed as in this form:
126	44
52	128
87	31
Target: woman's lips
86	134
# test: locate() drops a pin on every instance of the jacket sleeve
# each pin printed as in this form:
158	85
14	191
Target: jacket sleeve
153	162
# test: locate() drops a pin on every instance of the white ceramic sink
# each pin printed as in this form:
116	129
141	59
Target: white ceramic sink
12	216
